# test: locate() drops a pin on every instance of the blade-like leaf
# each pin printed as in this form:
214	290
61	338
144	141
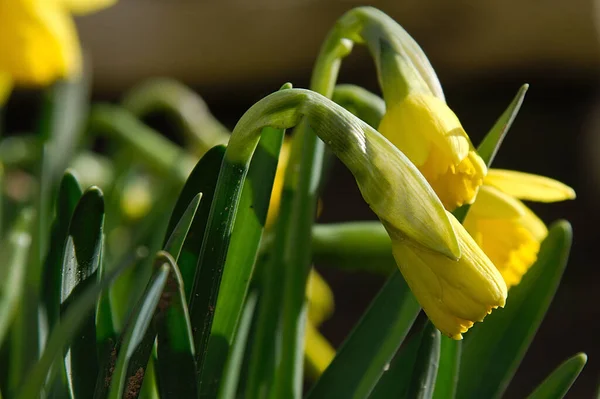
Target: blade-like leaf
395	381
69	194
176	365
424	374
178	236
557	384
14	251
124	382
507	333
488	148
243	248
68	326
371	345
202	179
447	376
229	383
82	256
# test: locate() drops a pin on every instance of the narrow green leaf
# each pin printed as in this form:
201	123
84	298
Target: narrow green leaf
202	179
395	381
176	365
14	251
362	358
63	332
241	256
354	246
82	257
558	383
123	381
491	143
424	374
507	333
175	242
69	194
231	377
447	376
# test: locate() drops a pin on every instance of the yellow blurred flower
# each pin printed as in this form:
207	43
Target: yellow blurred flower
39	41
508	232
426	130
318	352
453	294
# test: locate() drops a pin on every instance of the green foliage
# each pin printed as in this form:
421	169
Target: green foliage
175	287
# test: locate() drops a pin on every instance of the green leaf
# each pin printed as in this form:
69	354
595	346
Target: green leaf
241	256
203	178
425	371
69	195
178	236
395	381
231	377
447	376
371	345
63	332
176	365
507	333
127	378
82	257
490	145
354	246
14	252
557	384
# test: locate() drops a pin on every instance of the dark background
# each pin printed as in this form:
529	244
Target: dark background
234	53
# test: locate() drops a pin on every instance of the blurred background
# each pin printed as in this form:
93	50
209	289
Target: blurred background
235	52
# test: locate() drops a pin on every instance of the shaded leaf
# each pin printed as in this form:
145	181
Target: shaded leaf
557	384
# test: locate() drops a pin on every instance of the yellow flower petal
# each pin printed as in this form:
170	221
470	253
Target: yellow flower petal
511	241
318	352
320	298
85	6
453	294
5	87
38	41
492	203
424	128
529	187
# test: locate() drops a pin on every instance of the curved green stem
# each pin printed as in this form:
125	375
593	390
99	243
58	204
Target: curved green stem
200	128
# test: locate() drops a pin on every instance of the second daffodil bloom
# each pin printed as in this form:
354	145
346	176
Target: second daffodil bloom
39	40
508	232
424	128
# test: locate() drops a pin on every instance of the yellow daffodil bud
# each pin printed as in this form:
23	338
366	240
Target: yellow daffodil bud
5	87
453	294
39	40
425	129
509	233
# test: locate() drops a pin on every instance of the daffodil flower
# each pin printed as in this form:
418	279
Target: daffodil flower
318	352
39	40
453	294
425	129
508	231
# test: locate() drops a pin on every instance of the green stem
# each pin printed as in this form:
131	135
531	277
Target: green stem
147	144
200	128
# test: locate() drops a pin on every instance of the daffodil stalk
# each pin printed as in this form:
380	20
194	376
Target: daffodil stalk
200	128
